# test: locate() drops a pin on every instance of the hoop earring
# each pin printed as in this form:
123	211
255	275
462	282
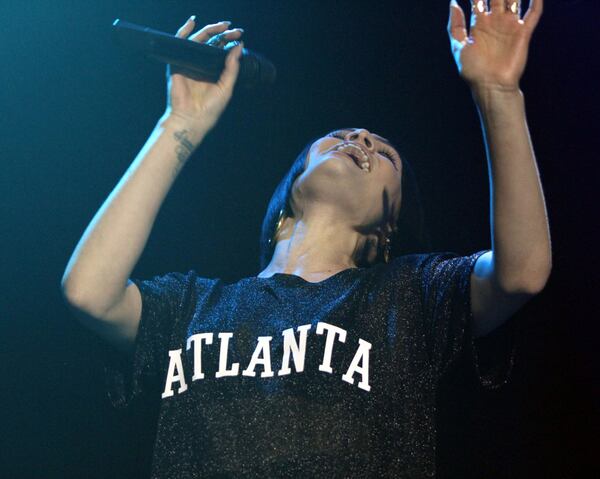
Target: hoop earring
280	219
387	249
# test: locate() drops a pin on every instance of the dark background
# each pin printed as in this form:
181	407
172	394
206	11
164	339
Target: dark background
76	110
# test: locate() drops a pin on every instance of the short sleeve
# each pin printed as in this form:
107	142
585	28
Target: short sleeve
446	284
164	303
445	287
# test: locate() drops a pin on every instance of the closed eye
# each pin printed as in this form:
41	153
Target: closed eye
335	134
389	156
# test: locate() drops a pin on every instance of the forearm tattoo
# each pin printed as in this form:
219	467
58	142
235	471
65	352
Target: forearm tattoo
184	148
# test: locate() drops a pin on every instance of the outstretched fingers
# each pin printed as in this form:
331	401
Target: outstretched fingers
533	14
478	8
457	28
498	6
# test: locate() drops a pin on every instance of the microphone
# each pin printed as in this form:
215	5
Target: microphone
200	61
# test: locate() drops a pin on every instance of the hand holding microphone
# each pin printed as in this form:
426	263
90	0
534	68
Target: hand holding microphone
200	101
202	69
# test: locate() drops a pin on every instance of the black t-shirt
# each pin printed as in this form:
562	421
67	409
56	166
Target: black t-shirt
280	377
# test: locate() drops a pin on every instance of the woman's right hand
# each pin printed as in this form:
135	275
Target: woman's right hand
200	103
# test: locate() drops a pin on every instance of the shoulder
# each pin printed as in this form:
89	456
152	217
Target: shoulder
420	262
433	268
175	285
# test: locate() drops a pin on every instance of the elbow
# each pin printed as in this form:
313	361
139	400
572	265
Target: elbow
527	274
77	298
70	294
531	281
535	285
538	275
67	290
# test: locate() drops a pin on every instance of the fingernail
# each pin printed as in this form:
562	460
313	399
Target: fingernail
240	29
193	18
453	3
225	21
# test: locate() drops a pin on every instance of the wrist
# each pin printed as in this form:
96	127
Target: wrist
491	98
180	123
485	91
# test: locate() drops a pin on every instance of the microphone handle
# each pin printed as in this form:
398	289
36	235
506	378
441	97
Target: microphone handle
203	62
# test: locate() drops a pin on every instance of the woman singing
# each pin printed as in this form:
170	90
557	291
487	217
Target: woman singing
327	362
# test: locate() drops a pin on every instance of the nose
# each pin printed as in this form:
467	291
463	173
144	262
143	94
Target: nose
362	136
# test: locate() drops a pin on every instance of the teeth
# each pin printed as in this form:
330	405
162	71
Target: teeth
361	160
356	148
362	153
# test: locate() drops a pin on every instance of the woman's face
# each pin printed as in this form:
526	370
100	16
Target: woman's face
355	172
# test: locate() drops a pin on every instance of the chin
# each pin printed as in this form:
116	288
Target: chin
339	189
333	181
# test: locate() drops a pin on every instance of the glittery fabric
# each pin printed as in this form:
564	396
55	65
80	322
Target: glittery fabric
348	421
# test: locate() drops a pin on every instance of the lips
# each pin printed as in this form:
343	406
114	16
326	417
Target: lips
358	155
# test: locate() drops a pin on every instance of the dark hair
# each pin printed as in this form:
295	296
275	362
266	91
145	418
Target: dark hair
411	235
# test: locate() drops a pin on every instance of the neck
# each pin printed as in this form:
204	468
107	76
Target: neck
315	250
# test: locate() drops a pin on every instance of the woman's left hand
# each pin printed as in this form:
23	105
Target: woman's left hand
494	52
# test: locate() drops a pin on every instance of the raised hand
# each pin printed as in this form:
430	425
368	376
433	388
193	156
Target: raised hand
493	53
200	103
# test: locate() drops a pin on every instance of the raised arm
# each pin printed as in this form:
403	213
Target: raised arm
95	282
491	59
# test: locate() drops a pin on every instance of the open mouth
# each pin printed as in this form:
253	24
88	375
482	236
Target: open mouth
357	155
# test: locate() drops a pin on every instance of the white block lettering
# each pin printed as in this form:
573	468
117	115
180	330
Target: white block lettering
362	355
175	373
263	347
331	333
291	346
235	367
196	339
